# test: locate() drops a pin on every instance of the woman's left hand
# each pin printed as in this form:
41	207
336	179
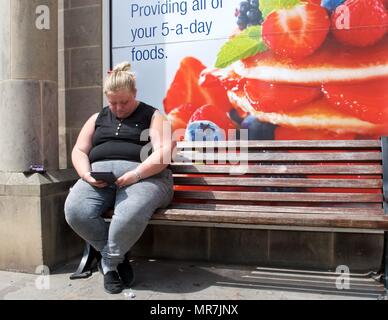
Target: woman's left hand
127	179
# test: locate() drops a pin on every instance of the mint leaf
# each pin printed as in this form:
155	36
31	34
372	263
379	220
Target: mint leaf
267	6
246	44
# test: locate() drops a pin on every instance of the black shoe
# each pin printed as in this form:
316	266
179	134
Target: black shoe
126	273
113	283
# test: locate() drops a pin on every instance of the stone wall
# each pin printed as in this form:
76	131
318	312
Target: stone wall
80	69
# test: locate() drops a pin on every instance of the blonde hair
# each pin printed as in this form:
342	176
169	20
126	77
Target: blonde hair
121	77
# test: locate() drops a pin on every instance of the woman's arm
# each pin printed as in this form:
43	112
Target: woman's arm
81	150
163	146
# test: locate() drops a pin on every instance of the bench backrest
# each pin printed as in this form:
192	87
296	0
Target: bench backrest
327	177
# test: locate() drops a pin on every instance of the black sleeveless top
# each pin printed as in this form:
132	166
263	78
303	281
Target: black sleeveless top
121	140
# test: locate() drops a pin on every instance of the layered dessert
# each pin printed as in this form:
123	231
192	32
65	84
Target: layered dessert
320	71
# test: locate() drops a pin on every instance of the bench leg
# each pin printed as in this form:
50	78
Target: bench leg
86	265
385	268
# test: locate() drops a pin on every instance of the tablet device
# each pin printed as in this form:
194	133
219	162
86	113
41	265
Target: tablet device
108	177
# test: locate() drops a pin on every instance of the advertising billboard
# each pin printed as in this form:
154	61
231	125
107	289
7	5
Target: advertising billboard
284	70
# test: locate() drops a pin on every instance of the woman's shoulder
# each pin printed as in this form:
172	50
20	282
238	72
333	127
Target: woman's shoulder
147	107
104	111
146	111
102	114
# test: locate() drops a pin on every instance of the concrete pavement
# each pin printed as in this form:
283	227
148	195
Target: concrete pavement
176	280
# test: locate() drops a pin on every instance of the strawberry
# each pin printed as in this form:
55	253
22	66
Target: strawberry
214	114
230	82
366	101
180	117
296	32
316	2
186	89
275	97
360	22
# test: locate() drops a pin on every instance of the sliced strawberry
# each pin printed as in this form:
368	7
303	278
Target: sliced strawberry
274	97
180	117
366	101
296	32
214	114
229	81
186	89
360	22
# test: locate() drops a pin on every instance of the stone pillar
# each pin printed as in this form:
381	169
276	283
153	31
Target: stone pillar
33	231
29	84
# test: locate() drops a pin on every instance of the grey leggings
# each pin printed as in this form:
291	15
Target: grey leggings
133	208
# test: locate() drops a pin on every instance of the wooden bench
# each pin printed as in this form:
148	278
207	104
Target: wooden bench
299	185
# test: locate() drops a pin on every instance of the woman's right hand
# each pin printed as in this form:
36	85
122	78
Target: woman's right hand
93	182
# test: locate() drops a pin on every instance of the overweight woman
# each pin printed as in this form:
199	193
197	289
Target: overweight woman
125	138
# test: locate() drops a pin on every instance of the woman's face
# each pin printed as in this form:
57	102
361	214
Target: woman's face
122	102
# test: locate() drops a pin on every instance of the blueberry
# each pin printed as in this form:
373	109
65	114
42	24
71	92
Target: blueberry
258	130
235	117
331	5
204	131
242	22
254	16
248	14
246	123
244	7
254	3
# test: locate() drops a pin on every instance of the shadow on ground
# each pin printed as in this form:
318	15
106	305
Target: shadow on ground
196	280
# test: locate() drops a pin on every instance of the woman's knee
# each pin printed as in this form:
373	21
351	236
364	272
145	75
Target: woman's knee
78	211
73	212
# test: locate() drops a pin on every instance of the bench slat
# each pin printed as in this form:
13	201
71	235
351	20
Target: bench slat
278	169
279	182
311	144
278	157
278	209
269	218
281	196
